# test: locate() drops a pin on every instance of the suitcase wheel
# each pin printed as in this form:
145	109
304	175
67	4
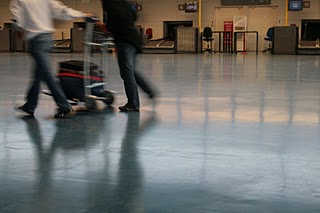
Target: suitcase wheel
109	97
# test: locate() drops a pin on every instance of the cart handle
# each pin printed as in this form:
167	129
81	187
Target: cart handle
92	19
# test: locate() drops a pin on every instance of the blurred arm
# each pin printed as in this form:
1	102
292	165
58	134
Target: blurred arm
61	11
17	12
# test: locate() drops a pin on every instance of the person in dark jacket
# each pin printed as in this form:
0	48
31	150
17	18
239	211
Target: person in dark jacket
121	22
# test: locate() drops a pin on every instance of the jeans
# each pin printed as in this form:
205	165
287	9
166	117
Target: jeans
131	78
40	49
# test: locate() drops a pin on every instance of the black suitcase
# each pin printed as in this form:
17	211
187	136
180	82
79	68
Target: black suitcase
71	78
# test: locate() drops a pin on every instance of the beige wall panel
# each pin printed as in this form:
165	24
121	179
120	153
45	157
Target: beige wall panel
226	14
260	19
208	16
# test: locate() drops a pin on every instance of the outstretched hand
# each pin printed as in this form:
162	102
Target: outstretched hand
93	18
102	26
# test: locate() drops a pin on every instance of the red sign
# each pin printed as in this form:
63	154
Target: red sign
228	26
227	35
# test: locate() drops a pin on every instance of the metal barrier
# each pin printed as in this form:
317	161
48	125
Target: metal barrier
244	32
227	41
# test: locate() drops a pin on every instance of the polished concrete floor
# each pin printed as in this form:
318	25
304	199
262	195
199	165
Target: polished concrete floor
230	133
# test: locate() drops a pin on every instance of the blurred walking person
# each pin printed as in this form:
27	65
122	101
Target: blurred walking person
35	18
121	22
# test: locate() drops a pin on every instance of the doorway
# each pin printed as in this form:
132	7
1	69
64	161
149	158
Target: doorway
169	28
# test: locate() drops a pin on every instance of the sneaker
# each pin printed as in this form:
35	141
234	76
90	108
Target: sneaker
127	108
64	114
24	110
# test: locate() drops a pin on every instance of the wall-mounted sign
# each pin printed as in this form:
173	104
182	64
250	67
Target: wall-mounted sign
191	7
306	4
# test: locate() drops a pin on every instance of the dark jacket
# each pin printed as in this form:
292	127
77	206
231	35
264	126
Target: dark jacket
120	20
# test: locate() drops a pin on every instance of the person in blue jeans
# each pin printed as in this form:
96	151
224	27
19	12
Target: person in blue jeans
35	18
120	21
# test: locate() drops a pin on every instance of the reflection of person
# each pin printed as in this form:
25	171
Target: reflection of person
126	194
83	133
35	17
120	20
129	188
71	136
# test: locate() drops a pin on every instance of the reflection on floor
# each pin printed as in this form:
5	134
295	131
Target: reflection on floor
230	133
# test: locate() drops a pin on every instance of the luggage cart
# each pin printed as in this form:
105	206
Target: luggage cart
103	45
84	84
